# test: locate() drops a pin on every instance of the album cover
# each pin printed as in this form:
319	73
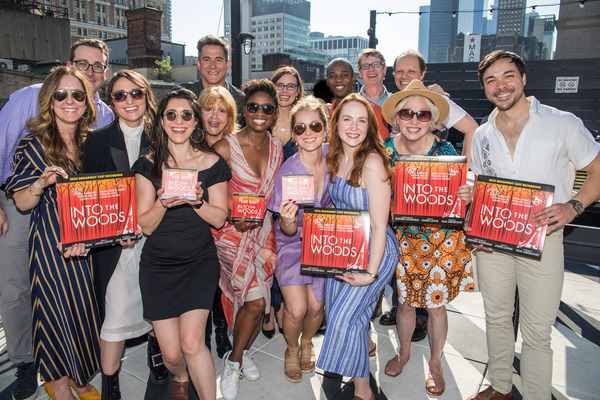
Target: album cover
179	183
251	205
299	188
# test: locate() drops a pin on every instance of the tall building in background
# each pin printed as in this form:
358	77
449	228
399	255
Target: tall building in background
424	19
442	29
478	16
511	17
347	47
542	28
578	30
104	19
491	21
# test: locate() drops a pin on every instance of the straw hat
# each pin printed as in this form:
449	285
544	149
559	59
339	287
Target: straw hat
415	88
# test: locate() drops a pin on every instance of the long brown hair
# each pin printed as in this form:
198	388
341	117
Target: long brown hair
43	125
371	144
139	80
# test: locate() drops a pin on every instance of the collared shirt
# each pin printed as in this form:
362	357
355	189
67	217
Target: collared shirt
551	146
20	108
197	87
381	98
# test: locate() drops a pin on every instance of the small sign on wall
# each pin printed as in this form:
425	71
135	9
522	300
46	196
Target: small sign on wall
566	84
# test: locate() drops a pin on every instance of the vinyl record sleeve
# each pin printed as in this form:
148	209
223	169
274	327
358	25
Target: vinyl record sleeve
501	215
96	209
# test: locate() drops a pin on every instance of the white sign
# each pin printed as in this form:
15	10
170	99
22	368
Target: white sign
566	84
472	48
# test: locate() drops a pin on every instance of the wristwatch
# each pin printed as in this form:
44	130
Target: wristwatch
578	206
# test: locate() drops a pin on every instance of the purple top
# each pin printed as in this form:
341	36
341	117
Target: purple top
22	106
289	248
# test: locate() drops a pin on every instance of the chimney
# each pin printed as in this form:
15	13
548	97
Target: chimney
143	37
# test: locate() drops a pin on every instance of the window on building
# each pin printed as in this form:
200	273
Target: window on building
98	20
279	19
266	21
253	22
84	32
79	31
104	35
63	2
83	17
103	9
260	28
272	35
345	44
253	30
97	7
99	34
77	16
272	28
103	21
117	13
279	42
354	43
76	3
278	34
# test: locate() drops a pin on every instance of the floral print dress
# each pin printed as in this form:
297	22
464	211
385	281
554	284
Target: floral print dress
435	264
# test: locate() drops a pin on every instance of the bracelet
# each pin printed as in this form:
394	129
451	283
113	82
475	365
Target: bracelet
34	193
372	275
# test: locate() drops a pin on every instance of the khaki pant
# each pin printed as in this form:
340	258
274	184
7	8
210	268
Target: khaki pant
540	286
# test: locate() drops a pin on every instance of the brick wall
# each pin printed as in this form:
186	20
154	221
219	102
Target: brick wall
11	80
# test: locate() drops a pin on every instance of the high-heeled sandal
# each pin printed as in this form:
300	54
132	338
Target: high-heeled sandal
91	395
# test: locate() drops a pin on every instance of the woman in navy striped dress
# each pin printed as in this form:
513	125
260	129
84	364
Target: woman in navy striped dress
360	179
66	325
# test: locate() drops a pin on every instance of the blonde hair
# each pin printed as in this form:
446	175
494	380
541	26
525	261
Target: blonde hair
210	96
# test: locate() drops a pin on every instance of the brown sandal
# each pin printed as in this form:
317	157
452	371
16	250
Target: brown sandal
435	386
291	365
394	365
307	358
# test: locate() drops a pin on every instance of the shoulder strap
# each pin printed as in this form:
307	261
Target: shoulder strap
440	143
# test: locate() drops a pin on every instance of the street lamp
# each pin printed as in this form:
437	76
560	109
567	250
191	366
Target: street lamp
245	39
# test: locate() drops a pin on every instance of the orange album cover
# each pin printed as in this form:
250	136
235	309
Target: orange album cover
299	188
502	212
179	183
96	209
425	189
250	205
335	241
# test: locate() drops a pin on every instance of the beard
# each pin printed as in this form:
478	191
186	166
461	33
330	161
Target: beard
517	95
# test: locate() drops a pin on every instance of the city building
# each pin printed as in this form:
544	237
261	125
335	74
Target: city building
511	17
348	47
542	28
491	22
424	19
578	30
529	48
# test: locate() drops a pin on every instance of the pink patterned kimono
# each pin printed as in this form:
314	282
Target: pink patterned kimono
248	258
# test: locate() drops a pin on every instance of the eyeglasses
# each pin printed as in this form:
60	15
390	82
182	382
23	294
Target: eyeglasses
185	115
376	64
62	94
289	86
406	115
83	66
121	95
313	126
268	109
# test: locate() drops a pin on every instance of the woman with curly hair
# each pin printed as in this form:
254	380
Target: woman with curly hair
218	113
247	249
66	324
360	178
179	268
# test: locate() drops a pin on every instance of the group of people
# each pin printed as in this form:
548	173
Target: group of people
194	265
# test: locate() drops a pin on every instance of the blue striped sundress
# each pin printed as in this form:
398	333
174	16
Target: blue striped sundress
348	309
66	325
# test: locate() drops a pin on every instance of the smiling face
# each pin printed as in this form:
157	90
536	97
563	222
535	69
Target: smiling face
130	111
68	112
353	124
309	140
213	65
340	79
214	120
178	130
259	121
503	84
91	55
285	97
372	76
406	69
414	130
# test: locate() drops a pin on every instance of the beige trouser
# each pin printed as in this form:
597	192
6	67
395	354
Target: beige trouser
540	286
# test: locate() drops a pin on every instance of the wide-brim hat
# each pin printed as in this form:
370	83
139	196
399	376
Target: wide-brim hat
415	88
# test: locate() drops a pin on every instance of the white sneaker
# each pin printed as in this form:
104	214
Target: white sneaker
249	368
230	378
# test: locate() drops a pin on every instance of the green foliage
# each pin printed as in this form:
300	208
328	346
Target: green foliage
163	70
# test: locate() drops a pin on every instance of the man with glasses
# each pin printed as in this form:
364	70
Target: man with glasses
371	68
91	58
213	63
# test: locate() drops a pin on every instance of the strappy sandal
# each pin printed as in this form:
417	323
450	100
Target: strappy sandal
307	358
291	365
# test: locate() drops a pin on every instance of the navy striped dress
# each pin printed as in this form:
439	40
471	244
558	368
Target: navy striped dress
348	309
65	313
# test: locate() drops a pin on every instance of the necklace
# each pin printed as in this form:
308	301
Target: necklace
253	144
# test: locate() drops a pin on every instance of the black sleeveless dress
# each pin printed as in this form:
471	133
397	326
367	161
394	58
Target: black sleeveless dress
179	268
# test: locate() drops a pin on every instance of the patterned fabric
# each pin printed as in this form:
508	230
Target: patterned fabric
436	261
348	309
66	324
248	258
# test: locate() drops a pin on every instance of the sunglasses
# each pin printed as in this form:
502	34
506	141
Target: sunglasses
406	115
62	94
313	126
268	109
136	94
185	115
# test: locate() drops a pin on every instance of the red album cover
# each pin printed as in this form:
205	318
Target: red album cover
425	189
300	188
179	183
96	209
251	205
335	241
502	212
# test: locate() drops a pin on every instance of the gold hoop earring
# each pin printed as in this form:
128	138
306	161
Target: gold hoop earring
197	141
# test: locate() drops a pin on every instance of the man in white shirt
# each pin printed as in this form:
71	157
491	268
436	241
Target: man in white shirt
528	141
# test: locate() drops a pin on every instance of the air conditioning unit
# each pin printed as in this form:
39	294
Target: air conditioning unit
4	63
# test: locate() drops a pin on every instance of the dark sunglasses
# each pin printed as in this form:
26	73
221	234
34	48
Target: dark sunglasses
185	115
268	109
136	94
313	126
62	94
406	115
